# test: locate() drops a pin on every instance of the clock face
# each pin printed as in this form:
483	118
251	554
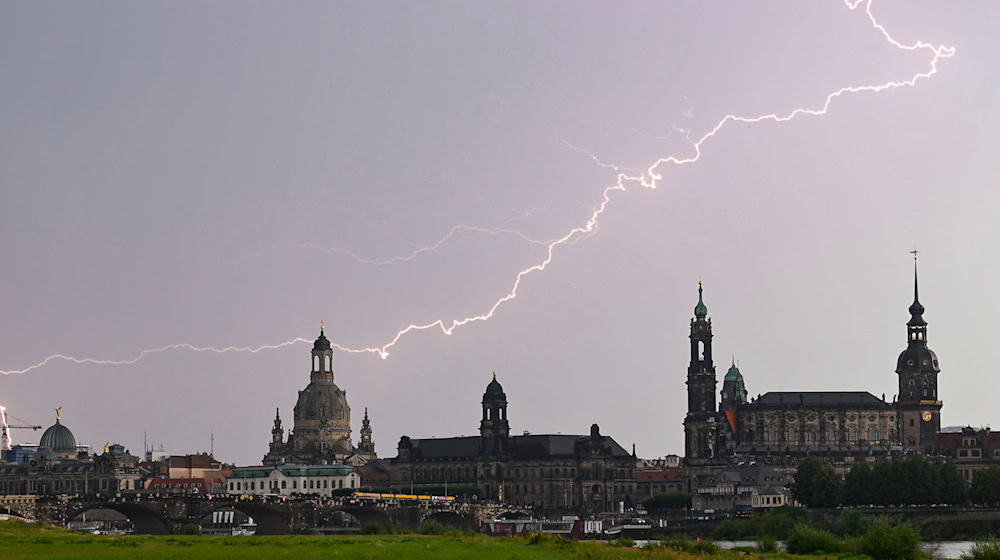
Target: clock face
927	415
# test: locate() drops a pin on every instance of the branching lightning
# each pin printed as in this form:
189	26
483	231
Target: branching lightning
402	258
650	179
5	444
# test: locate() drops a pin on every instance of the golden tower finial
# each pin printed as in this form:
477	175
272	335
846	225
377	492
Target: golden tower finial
106	446
58	413
321	326
494	376
734	359
914	252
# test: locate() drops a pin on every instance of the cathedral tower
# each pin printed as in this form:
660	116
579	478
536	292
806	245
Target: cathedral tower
366	445
699	424
277	433
493	428
917	367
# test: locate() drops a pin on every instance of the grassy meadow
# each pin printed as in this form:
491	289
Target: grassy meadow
19	540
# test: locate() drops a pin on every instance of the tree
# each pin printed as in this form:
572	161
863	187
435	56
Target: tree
986	486
664	502
816	484
949	483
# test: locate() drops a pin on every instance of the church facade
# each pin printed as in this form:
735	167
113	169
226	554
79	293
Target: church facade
322	421
783	427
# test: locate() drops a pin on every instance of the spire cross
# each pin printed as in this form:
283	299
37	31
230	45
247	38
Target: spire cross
321	325
914	252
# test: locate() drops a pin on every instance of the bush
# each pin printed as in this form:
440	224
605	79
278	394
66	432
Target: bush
547	539
372	528
885	542
704	547
984	550
767	544
624	543
433	528
191	529
807	540
679	544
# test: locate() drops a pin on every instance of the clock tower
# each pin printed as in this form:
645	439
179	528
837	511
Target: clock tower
917	368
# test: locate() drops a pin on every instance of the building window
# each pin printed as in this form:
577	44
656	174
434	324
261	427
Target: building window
340	483
873	433
283	484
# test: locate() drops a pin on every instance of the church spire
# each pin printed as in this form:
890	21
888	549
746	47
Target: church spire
916	326
700	310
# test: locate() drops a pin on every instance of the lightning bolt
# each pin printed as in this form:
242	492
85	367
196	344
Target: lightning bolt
397	259
5	444
650	179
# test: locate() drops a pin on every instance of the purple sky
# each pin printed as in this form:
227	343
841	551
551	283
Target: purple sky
219	174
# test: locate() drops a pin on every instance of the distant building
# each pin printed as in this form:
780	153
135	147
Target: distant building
59	467
187	486
783	427
971	449
744	486
322	429
659	480
288	479
554	472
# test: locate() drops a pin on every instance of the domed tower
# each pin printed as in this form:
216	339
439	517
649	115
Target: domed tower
493	428
699	424
917	367
322	417
734	393
59	439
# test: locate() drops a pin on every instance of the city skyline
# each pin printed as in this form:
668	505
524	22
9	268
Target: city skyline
227	183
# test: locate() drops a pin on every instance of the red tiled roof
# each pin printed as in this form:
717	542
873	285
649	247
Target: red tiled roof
664	475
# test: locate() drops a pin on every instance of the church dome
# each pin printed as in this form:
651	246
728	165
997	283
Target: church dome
733	375
58	438
917	357
494	389
322	402
322	343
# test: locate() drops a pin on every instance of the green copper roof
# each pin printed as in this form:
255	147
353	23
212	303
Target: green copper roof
733	374
700	311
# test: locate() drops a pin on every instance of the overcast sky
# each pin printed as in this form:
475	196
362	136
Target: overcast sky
232	173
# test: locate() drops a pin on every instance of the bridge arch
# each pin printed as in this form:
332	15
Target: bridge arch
145	520
450	519
271	519
366	515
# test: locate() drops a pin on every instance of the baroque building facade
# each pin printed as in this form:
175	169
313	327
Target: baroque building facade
322	421
58	466
782	427
580	473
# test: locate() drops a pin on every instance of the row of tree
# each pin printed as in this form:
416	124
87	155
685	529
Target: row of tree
914	480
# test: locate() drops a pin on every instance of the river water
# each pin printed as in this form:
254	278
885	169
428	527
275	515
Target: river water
946	550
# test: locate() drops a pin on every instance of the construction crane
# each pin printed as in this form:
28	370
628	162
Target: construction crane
5	435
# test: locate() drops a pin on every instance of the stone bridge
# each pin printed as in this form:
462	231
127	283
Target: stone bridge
156	514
